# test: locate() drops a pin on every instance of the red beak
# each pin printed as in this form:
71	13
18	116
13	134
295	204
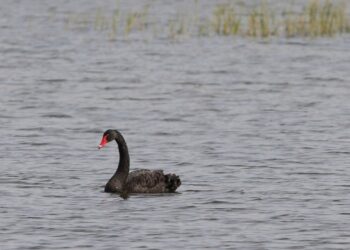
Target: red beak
103	142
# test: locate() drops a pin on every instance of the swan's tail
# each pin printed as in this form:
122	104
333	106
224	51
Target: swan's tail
172	182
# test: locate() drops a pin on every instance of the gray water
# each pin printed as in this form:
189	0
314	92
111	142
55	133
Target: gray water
257	130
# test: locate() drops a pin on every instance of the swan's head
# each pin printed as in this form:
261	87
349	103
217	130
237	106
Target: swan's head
108	136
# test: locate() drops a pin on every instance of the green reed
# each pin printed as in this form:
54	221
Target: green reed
261	22
225	20
136	20
318	18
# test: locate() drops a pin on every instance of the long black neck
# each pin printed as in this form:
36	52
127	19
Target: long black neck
117	181
124	159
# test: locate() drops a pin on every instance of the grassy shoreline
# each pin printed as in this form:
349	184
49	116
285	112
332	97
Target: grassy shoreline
316	18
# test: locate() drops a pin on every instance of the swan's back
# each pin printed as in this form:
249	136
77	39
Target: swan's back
151	181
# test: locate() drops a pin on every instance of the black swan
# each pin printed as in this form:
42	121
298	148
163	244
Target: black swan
138	181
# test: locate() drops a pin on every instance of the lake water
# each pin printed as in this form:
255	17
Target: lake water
259	132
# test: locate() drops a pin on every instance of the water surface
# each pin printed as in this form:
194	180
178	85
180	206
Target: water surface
257	130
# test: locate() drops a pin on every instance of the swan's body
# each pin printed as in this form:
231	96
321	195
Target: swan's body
138	181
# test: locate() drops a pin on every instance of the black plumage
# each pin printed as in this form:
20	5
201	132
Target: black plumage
138	181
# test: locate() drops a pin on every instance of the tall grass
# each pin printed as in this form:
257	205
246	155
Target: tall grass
225	20
317	18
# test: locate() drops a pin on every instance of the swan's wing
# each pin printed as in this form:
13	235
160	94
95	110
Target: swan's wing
146	181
